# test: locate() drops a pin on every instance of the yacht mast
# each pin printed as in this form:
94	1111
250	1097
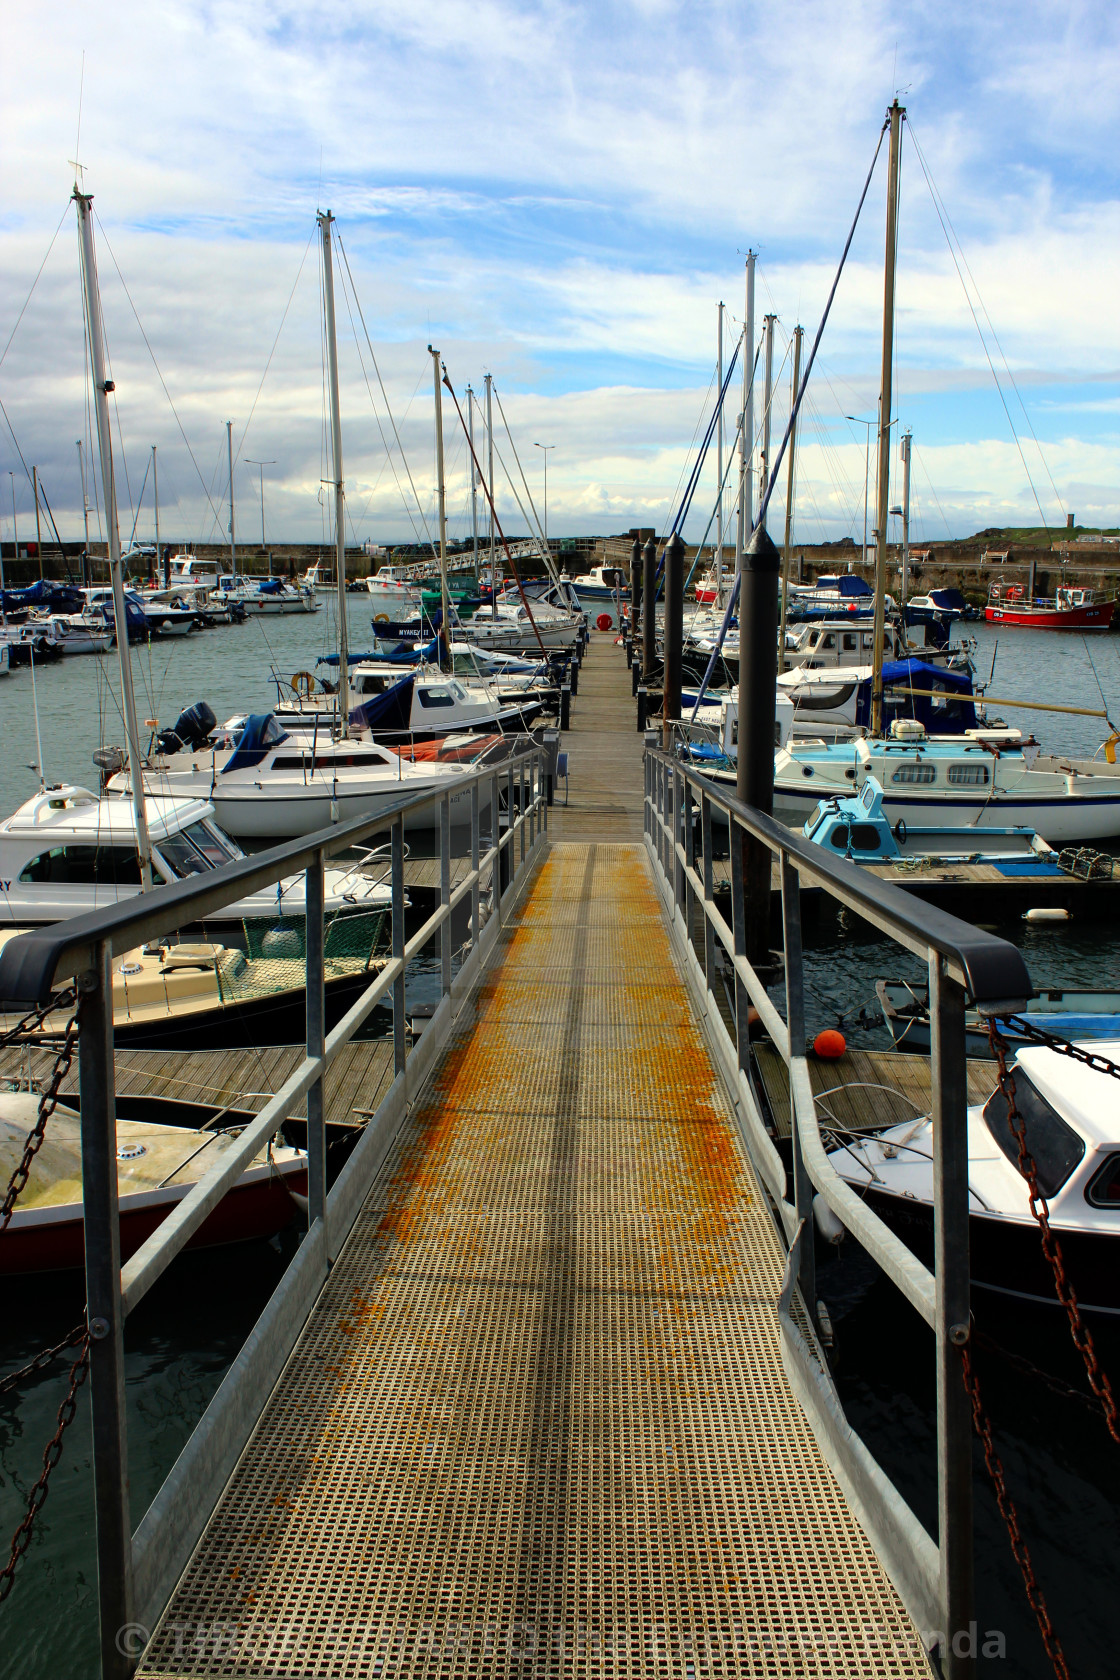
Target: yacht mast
474	482
86	567
767	397
746	435
101	388
325	219
232	537
719	462
445	626
155	498
490	475
883	486
798	334
905	526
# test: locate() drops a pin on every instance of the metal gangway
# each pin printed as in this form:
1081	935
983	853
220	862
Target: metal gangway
541	1390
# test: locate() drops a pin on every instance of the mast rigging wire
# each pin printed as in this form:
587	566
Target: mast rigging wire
545	551
769	491
35	282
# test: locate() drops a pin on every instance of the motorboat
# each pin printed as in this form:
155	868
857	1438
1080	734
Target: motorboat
265	782
157	1166
1068	609
394	595
982	777
940	606
1070	1124
87	632
1069	1013
855	826
68	851
186	571
176	995
833	595
5	665
397	701
266	597
939	697
606	584
828	646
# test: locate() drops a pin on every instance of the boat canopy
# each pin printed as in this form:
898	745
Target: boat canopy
843	583
391	710
44	592
942	702
261	733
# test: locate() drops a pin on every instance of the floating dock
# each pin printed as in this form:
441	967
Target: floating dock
538	1421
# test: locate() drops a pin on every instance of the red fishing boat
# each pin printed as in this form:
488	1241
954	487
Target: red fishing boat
1069	609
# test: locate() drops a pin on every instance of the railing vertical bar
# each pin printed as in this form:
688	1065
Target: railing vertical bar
495	838
795	1026
949	1071
709	890
678	833
739	932
521	808
475	929
104	1308
316	1025
445	891
398	943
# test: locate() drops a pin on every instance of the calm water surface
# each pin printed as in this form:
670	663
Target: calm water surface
1063	1471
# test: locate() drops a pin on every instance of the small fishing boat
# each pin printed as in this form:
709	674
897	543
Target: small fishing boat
156	1167
1070	1119
940	606
855	826
394	595
1068	609
1072	1014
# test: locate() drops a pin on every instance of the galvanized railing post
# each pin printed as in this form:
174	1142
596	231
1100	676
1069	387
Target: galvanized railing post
495	839
949	1071
398	942
445	892
709	889
521	808
510	849
316	1023
795	1024
475	928
677	836
105	1315
739	931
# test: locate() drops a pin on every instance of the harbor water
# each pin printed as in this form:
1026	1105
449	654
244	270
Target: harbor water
1062	1469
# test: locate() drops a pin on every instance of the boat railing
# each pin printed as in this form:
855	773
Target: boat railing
687	816
137	1571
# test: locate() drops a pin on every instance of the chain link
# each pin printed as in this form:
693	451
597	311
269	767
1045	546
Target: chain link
47	1103
1051	1247
1010	1516
21	1539
41	1360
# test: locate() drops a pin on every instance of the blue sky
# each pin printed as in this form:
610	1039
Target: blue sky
561	194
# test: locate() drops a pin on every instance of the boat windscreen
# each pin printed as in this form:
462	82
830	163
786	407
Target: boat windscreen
1054	1145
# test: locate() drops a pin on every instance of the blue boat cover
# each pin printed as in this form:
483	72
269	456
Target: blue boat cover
391	710
951	716
261	733
44	592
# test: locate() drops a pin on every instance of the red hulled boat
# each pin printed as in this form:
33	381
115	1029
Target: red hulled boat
1069	609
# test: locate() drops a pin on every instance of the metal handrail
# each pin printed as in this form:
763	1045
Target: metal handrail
965	964
136	1572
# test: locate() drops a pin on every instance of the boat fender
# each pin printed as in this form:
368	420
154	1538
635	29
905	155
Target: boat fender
603	622
1047	913
829	1045
830	1228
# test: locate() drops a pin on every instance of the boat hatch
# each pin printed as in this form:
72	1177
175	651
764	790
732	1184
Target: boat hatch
1054	1145
1104	1186
194	850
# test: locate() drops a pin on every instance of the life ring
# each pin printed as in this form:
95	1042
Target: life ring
381	618
604	622
302	683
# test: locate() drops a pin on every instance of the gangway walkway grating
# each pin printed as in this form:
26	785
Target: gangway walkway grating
538	1421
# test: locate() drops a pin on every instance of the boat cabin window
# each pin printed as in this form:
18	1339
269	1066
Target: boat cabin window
1055	1146
85	866
848	641
194	850
915	774
864	837
830	641
968	775
1104	1186
436	697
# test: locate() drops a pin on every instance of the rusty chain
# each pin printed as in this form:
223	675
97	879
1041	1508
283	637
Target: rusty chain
21	1539
1064	1047
41	1360
1051	1247
47	1102
1010	1516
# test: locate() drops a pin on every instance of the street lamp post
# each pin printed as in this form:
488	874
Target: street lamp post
262	465
545	447
856	421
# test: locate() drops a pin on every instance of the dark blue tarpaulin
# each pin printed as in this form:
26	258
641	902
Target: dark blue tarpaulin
261	733
391	710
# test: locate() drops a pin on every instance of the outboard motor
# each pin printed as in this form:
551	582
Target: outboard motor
192	730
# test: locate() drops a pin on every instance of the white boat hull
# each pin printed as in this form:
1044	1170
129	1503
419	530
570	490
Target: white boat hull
1072	819
248	814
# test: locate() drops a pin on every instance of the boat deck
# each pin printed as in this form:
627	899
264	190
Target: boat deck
538	1420
865	1089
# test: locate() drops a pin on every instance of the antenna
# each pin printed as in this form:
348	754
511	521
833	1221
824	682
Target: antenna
35	709
78	170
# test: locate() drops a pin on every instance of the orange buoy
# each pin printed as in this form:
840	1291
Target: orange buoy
829	1045
604	621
